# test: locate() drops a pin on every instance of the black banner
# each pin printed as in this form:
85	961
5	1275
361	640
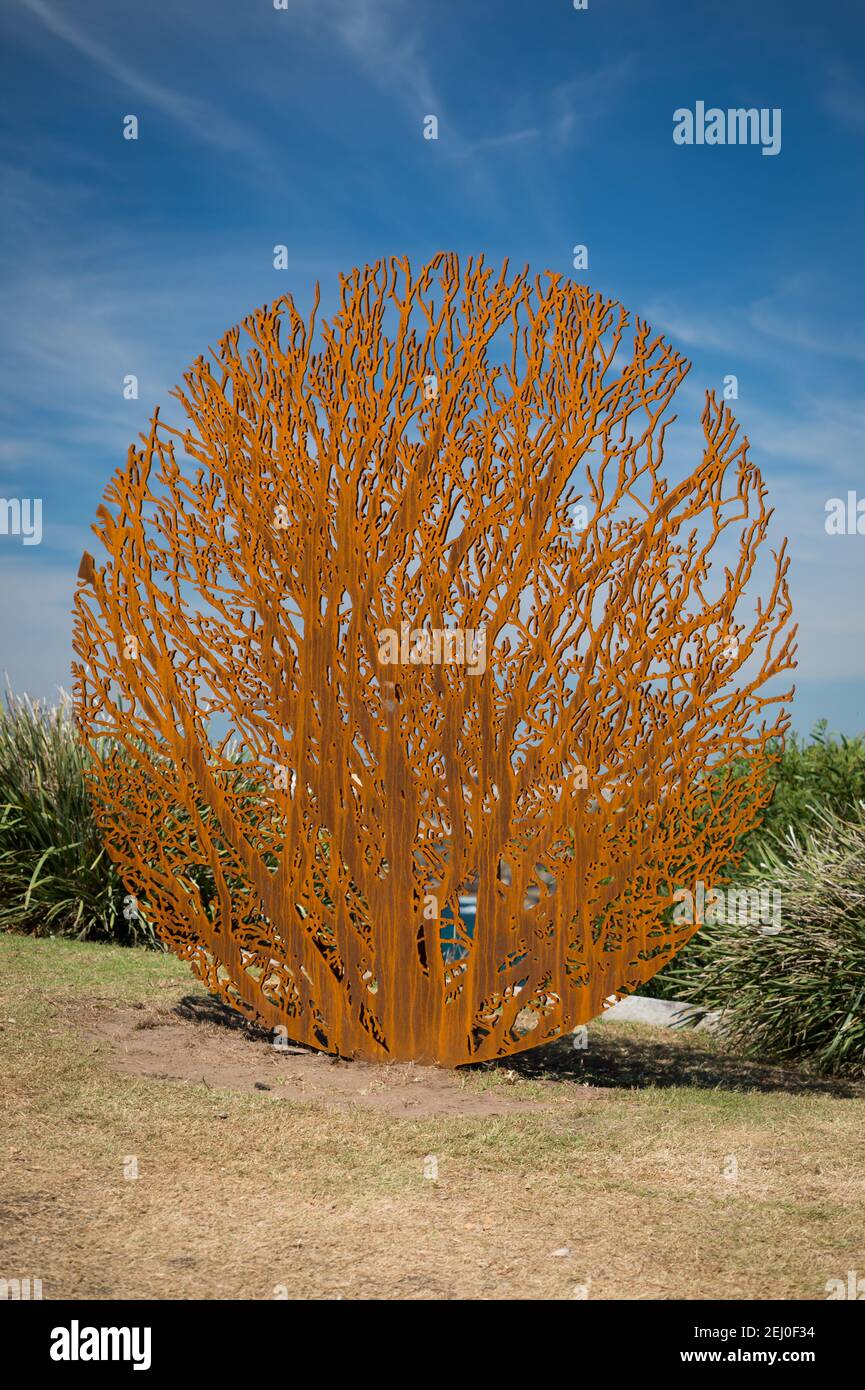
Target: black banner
66	1338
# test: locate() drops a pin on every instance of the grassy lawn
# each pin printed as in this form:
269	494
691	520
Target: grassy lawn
653	1164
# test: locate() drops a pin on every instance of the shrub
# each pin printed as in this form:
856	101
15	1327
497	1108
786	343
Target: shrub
811	778
798	994
825	773
55	875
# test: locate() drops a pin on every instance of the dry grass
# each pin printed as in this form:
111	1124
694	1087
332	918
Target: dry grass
618	1154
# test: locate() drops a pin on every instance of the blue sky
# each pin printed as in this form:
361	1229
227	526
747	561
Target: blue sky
304	126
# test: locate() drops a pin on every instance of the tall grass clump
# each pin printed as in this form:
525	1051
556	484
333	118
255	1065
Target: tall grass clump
798	994
55	876
811	777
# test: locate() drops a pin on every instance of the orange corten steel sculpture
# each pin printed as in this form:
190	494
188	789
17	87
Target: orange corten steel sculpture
407	609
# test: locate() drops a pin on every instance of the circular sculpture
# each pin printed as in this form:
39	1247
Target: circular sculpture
403	617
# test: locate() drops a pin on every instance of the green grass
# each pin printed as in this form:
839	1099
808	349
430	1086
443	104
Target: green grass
69	968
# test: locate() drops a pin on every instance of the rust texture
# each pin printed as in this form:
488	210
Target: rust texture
401	609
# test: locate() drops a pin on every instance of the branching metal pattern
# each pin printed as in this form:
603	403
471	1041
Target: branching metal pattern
406	609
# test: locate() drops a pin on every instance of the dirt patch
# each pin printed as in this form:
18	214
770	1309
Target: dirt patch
202	1042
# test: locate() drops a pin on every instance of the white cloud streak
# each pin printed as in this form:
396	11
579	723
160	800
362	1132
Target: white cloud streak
203	121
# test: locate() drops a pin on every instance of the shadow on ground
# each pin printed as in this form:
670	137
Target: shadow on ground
199	1008
620	1059
661	1057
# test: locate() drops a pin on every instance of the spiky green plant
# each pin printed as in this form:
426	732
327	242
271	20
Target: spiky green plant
798	994
55	876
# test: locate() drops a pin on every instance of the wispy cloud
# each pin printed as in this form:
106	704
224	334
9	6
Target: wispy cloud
579	104
371	32
467	148
762	330
378	37
804	326
706	330
202	120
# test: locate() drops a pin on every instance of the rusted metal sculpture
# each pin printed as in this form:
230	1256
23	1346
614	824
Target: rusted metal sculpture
406	610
